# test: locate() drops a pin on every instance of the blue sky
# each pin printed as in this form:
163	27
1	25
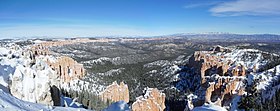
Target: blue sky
71	18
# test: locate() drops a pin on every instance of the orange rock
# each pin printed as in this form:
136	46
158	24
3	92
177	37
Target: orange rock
116	92
67	68
153	100
222	88
208	93
243	71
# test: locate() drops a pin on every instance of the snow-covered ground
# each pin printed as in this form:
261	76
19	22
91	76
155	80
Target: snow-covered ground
251	58
11	103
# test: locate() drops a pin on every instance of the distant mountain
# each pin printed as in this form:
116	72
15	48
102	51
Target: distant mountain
228	37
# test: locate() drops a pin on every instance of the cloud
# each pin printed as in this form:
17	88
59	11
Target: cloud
188	6
247	7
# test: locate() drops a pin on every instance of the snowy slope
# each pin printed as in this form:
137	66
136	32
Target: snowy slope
248	57
10	103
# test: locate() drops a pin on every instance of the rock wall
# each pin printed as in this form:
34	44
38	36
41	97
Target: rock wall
153	100
115	92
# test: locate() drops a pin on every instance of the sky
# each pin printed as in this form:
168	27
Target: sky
84	18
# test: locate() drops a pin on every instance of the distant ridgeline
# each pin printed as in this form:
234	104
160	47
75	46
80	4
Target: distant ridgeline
231	37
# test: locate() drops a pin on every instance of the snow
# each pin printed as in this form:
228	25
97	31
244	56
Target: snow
252	58
79	85
266	77
102	60
118	106
38	41
49	58
10	103
209	107
148	92
4	51
266	80
69	102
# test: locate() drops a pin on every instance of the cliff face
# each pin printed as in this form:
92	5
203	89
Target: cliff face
153	100
115	92
207	63
67	68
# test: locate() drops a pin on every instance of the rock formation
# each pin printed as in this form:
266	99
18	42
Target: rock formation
45	73
67	68
208	64
220	79
39	77
115	92
32	80
39	49
153	100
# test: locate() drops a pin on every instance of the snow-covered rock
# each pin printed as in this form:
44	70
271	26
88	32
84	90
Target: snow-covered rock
153	100
26	77
224	75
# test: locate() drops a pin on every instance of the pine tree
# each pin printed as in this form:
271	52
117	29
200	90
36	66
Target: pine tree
274	71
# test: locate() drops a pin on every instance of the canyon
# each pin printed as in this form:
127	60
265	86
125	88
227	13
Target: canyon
145	74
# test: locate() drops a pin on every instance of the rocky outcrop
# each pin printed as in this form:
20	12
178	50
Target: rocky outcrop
32	80
36	75
115	92
220	78
153	100
67	68
39	49
222	91
208	63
